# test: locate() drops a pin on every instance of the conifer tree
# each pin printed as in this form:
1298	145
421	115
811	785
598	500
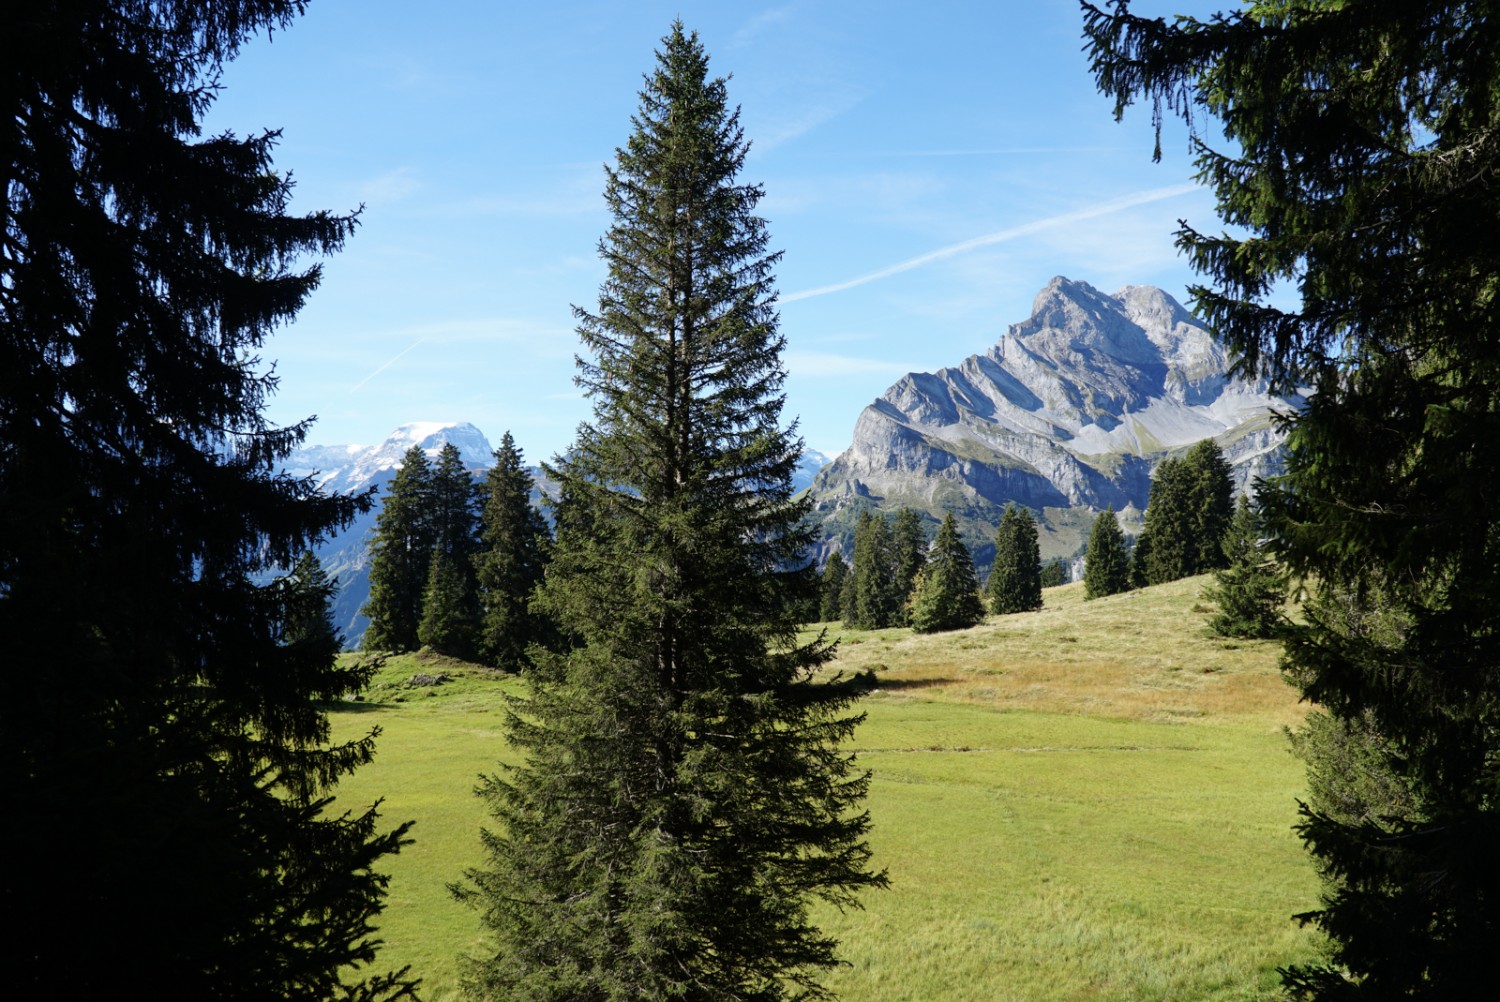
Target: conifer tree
164	760
1054	573
453	506
448	623
876	593
834	574
450	600
947	596
512	556
681	798
1211	501
848	606
1167	548
909	555
1187	516
1015	583
309	600
1251	590
401	558
1362	152
1106	570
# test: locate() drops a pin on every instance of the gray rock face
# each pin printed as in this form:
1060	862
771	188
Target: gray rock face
1067	414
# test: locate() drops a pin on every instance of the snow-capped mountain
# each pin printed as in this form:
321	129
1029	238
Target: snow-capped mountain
350	469
808	467
341	469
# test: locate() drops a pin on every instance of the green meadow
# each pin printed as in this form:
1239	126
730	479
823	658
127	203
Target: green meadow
1094	801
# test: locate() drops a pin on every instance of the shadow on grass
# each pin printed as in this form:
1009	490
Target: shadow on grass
354	706
913	683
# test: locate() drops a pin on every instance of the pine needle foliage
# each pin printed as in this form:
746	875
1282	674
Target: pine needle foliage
877	597
1362	174
309	605
835	571
1187	516
1015	582
947	595
450	598
909	555
164	755
1106	568
401	558
1249	592
682	798
448	623
509	566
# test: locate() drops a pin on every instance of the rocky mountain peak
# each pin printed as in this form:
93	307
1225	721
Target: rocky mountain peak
1069	412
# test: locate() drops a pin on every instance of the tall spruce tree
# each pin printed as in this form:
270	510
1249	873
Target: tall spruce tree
164	761
835	571
1187	517
1252	589
1211	501
510	562
401	558
1166	547
681	798
877	599
909	556
449	622
947	596
1106	568
1362	174
1015	583
309	605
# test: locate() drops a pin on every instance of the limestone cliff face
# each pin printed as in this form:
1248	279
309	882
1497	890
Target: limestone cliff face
1069	413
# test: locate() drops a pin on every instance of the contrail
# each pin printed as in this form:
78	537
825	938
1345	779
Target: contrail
1024	230
386	366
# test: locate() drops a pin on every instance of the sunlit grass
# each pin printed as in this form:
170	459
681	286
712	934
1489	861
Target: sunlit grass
1093	801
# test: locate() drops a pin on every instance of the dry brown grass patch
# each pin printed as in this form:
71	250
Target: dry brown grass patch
1144	655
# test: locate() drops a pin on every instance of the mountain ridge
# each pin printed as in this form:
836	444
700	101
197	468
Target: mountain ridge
1067	414
351	469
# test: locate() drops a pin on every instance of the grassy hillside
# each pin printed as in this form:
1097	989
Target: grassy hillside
1089	802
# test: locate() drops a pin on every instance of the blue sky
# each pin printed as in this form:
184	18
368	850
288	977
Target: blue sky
927	169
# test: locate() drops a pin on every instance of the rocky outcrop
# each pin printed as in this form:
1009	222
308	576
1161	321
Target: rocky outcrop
1067	414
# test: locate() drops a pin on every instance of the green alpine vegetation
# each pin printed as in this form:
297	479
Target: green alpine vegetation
1187	517
512	555
1065	800
831	589
1359	170
450	600
1106	567
1250	591
680	801
164	749
401	558
947	595
308	599
873	598
1015	582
